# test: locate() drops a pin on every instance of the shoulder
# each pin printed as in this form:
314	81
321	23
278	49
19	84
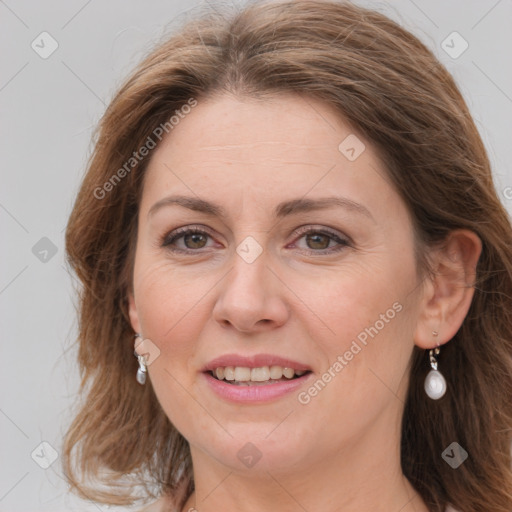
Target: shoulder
449	508
161	505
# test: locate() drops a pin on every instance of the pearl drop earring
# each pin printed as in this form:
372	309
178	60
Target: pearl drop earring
435	383
142	370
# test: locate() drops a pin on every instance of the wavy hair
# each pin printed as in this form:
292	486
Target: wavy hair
392	88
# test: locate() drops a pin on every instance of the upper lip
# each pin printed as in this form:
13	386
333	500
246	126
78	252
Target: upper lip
254	361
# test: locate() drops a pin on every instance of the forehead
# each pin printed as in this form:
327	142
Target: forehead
285	145
282	124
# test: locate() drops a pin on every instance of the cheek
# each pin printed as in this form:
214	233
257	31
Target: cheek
351	299
366	316
169	305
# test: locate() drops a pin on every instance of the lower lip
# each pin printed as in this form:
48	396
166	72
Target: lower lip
255	393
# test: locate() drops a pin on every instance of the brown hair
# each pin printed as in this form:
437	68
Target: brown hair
389	86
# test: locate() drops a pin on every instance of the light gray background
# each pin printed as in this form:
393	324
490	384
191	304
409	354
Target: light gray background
48	110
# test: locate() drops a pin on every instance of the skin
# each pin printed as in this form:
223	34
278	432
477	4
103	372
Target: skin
340	451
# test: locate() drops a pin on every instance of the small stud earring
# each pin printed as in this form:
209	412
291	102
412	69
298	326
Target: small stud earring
142	370
435	383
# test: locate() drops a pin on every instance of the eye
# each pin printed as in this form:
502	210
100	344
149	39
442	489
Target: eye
320	240
192	238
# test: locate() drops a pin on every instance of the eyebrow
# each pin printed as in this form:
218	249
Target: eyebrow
290	207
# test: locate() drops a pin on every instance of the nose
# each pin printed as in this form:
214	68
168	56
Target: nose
251	297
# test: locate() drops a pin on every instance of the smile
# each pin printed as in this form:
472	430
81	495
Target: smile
257	391
245	376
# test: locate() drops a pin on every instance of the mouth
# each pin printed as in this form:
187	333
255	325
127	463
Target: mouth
258	376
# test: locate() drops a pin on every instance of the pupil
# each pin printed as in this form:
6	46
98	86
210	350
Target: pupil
318	239
196	238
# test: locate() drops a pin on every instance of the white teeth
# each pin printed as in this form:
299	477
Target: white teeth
242	374
276	372
288	372
261	374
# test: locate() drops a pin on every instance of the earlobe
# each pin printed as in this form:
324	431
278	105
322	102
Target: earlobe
448	295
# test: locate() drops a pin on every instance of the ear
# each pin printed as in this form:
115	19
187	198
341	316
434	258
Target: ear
448	295
140	343
132	311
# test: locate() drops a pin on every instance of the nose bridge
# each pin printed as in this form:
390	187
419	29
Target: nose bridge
250	294
249	278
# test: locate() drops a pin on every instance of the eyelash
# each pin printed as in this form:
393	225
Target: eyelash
175	235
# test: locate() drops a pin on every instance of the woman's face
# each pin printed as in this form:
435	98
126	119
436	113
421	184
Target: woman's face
276	276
